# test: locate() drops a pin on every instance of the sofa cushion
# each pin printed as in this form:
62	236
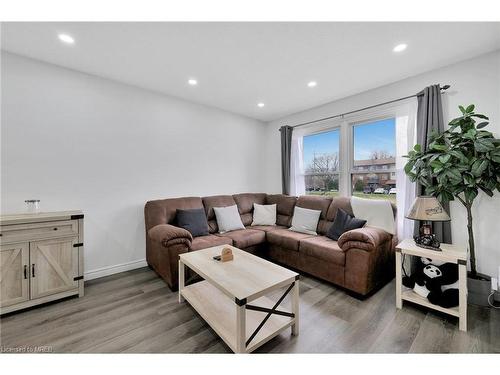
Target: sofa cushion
313	202
267	228
228	219
244	238
245	202
286	238
204	242
339	202
305	220
193	220
322	247
284	207
367	238
163	211
343	222
264	214
215	201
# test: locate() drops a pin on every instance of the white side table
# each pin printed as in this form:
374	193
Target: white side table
449	253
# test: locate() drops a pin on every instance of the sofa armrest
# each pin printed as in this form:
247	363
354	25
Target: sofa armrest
168	235
367	238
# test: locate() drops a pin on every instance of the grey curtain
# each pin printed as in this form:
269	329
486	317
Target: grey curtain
286	148
429	118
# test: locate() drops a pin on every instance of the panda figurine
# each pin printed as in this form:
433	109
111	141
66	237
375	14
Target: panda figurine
435	280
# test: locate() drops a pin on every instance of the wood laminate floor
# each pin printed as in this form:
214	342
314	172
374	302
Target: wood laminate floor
136	312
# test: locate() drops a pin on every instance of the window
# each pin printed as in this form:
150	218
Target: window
374	161
322	163
369	172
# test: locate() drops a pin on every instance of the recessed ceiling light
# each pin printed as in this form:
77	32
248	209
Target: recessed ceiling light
192	82
312	84
260	105
400	47
66	38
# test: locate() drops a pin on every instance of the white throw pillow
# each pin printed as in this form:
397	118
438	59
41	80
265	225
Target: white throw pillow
264	214
305	220
377	213
228	218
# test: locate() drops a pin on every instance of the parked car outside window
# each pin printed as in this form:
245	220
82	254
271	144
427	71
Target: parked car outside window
367	190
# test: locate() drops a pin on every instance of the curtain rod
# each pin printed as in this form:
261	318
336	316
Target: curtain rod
444	88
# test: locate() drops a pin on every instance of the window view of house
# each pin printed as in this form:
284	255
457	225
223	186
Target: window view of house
373	173
322	163
373	164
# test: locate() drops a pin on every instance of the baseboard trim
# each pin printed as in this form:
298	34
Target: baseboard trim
110	270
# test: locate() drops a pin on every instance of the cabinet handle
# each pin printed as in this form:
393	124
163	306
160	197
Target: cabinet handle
33	270
25	271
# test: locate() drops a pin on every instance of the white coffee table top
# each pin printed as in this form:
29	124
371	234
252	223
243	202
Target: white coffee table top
245	277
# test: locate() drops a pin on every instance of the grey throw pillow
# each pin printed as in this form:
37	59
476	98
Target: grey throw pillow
194	221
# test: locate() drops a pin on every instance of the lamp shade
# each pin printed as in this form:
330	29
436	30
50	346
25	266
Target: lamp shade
427	208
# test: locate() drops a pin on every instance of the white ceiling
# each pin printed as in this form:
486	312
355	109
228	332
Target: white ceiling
238	65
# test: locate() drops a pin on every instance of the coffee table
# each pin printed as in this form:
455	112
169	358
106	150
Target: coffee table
231	298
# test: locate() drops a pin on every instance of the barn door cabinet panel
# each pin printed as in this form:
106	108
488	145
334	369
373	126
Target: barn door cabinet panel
41	258
14	283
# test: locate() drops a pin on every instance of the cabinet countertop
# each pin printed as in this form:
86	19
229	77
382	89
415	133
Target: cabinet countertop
21	218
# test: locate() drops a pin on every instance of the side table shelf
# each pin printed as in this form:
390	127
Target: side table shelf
449	253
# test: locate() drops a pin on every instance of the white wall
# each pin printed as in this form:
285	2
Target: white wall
77	141
473	81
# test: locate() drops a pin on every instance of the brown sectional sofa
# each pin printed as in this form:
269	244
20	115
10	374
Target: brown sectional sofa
361	260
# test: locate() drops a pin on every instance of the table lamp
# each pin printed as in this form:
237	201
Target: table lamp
427	209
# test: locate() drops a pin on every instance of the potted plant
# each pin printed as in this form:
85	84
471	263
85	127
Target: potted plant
458	163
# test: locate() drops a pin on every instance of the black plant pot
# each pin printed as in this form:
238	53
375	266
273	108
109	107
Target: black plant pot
479	288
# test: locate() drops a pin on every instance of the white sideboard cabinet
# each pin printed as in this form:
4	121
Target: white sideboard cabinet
41	258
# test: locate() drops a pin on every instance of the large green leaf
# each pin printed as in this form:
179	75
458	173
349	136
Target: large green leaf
491	184
486	190
485	134
470	194
480	116
436	164
468	179
448	195
484	145
431	190
454	174
462	109
479	167
482	124
437	146
495	158
458	154
425	182
444	158
438	170
470	134
470	108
